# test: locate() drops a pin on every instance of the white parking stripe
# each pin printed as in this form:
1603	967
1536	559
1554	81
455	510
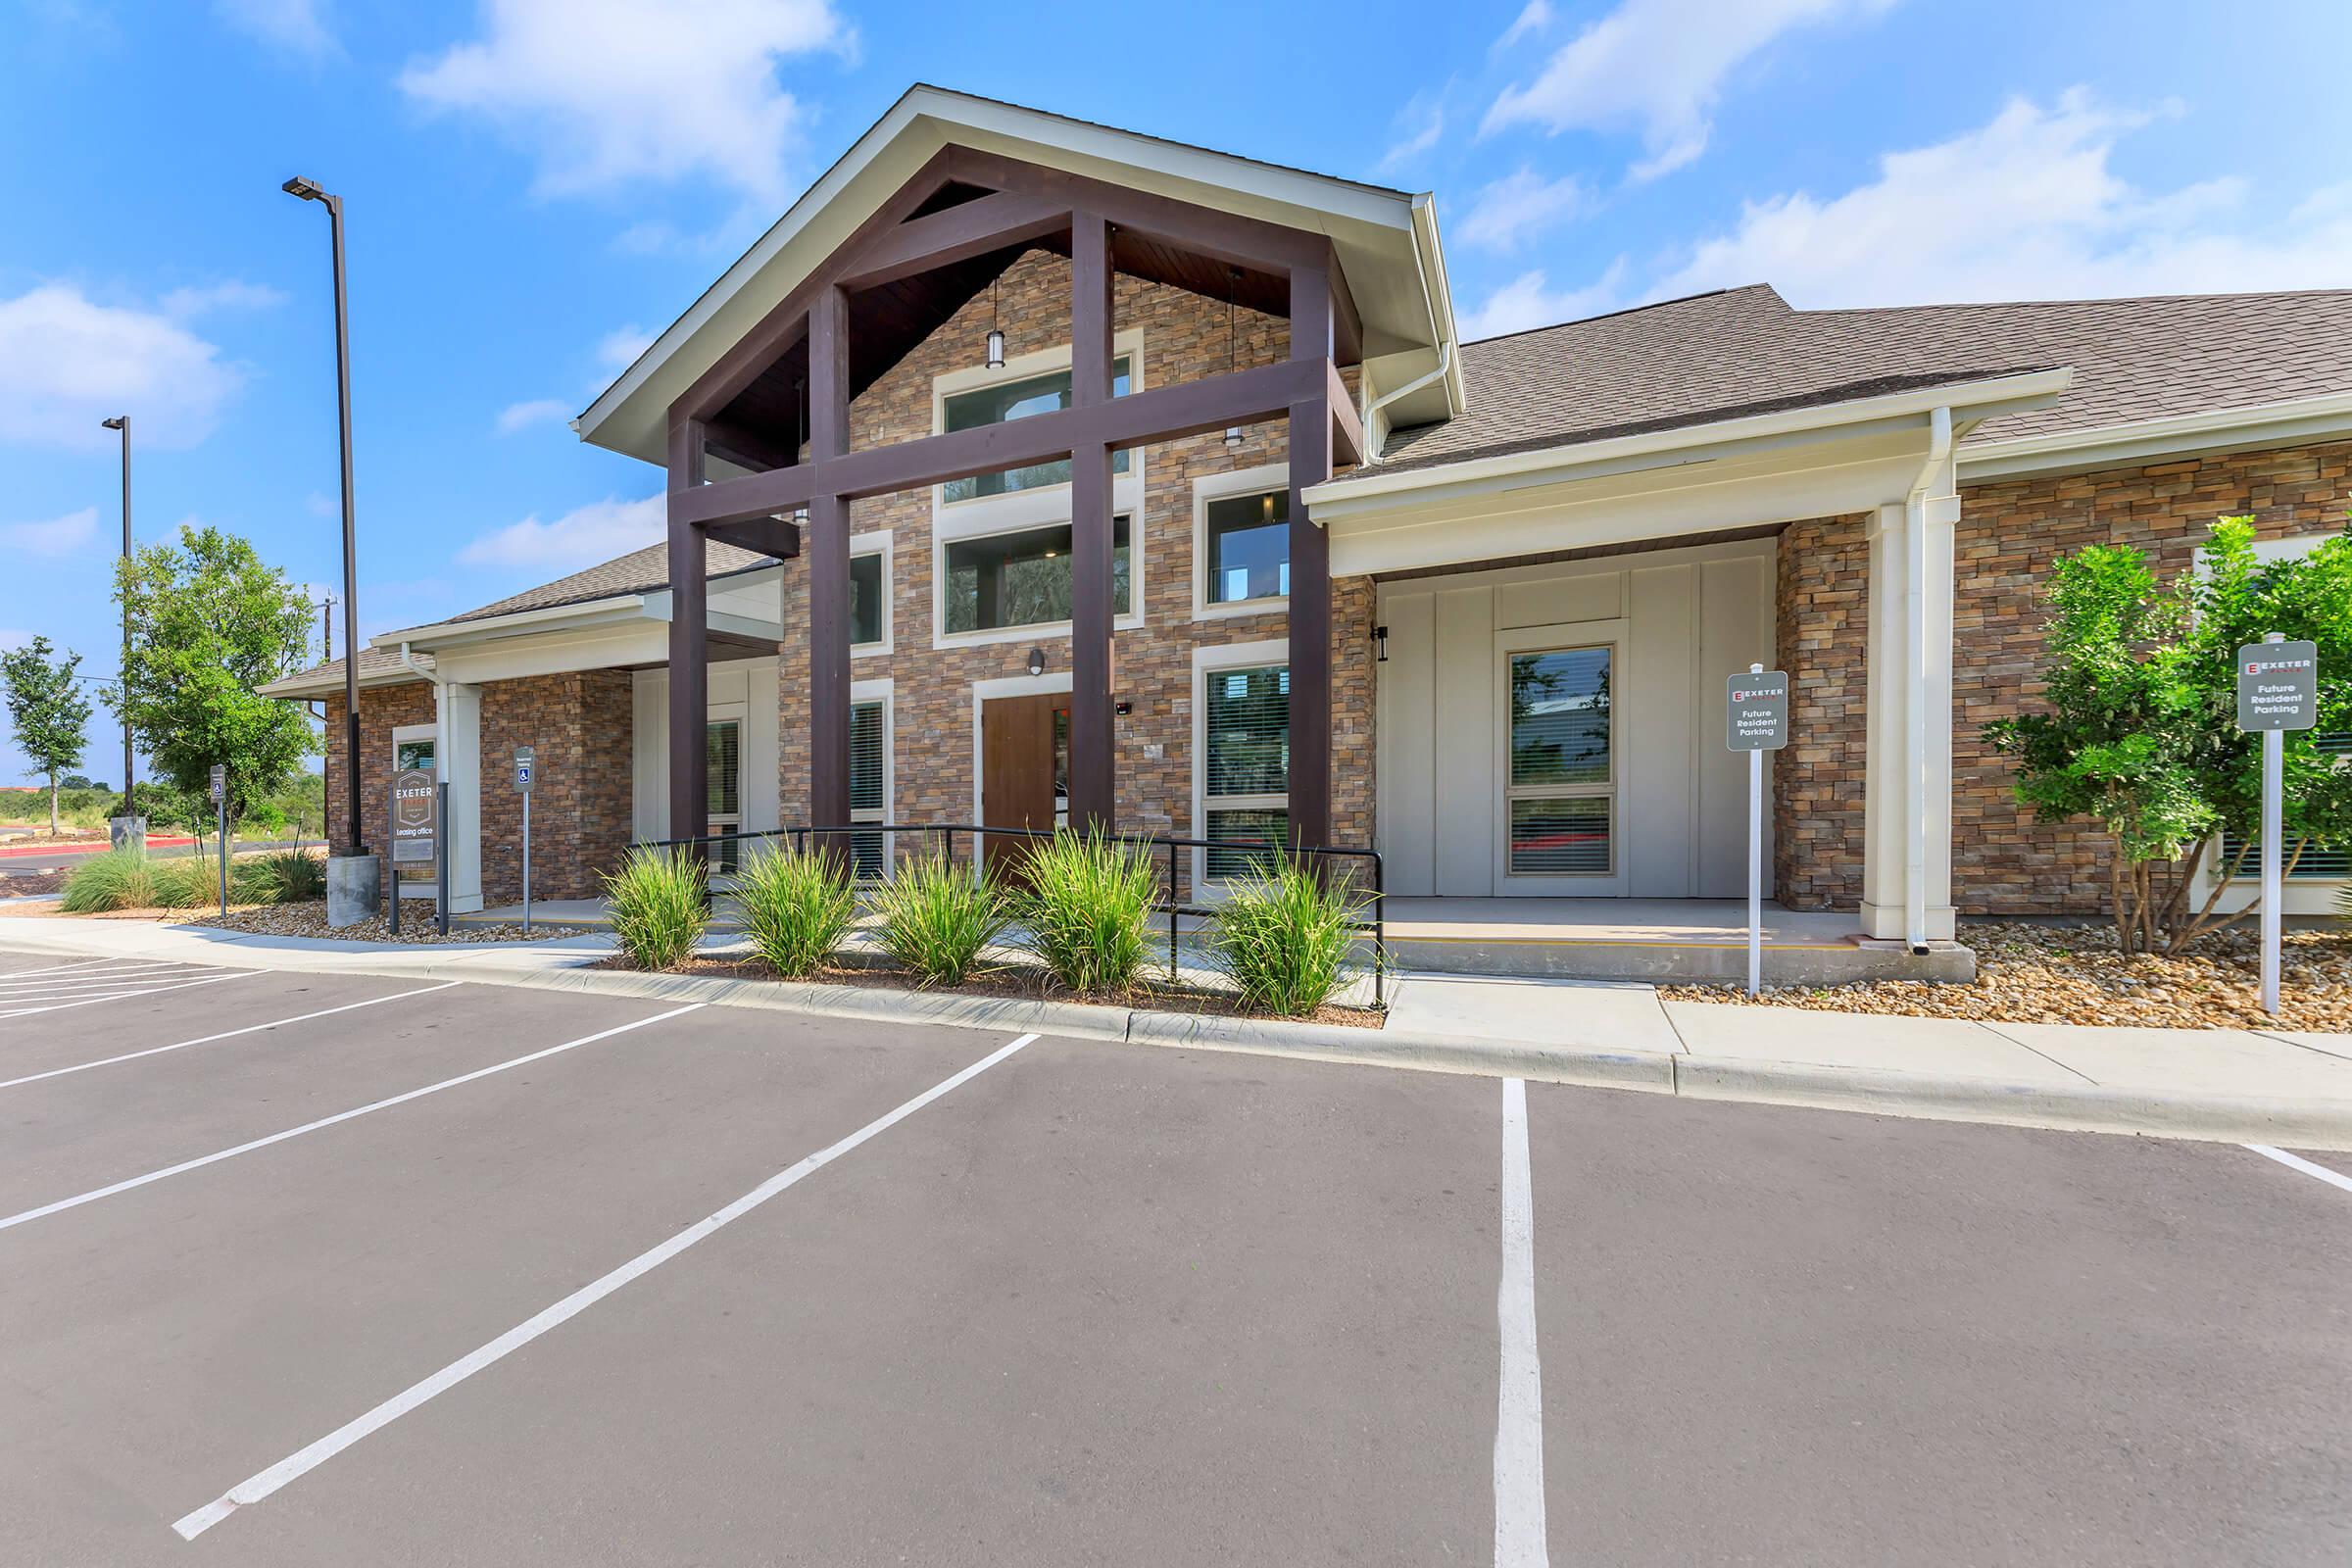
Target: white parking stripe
95	975
1519	1530
2297	1163
118	996
295	1466
43	990
71	963
225	1034
198	1164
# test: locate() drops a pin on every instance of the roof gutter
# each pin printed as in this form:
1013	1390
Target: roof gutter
1934	498
408	662
1379	435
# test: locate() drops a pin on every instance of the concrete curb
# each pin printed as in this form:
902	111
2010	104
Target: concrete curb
2300	1123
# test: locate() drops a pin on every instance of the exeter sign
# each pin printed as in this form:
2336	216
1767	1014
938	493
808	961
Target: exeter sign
1756	712
416	817
2278	686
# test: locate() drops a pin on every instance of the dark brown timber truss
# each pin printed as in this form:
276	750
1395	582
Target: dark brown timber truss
777	403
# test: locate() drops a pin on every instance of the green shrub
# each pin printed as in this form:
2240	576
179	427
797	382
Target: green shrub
188	881
938	917
280	876
1284	938
1087	908
796	908
658	909
118	879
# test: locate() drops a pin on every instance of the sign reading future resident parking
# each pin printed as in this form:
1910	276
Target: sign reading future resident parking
2278	686
1757	712
415	814
524	757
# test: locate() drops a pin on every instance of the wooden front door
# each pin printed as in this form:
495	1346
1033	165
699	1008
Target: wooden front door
1022	749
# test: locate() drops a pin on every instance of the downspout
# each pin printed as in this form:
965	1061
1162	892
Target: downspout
1914	600
1380	438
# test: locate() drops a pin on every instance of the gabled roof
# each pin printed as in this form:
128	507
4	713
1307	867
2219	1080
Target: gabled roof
1736	351
640	571
378	666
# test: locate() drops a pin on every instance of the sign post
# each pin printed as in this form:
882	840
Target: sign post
220	816
2278	690
524	757
415	826
1756	721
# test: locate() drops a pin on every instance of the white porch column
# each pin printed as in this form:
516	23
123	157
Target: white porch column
459	746
1907	802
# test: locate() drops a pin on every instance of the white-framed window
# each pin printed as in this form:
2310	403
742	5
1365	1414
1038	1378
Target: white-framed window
1020	390
1240	752
2316	864
870	593
414	745
1559	762
722	756
1240	542
1019	581
870	771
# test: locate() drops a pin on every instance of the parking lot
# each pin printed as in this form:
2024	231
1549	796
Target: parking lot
303	1269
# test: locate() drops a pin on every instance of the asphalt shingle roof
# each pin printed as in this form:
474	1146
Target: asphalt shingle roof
1746	350
375	664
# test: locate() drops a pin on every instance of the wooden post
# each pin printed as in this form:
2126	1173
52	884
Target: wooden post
1093	773
689	646
1311	571
828	555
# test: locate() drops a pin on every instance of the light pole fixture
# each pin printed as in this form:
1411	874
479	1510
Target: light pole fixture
310	191
121	422
996	333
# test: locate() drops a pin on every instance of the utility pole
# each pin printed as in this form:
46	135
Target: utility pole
121	422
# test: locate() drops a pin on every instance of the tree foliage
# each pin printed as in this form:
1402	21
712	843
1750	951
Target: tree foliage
49	714
2140	733
210	625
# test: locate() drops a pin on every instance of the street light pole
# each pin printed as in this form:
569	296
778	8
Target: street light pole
310	191
121	422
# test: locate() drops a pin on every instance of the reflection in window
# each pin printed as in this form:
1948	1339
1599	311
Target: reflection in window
1020	400
865	598
1248	547
1560	779
1023	578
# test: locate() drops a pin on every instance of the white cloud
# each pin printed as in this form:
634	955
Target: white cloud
1529	301
318	504
581	537
619	348
233	295
1520	206
1656	67
294	26
1426	118
54	536
67	362
609	91
2024	207
14	637
1532	18
522	415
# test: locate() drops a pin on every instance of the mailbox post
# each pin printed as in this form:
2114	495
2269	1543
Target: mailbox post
525	758
1756	721
219	792
2278	690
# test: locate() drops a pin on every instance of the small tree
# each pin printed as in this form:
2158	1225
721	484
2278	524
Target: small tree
2141	732
211	624
50	715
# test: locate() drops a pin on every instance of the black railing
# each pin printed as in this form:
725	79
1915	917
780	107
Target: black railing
729	854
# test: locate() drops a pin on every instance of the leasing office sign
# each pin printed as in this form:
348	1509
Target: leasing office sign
416	817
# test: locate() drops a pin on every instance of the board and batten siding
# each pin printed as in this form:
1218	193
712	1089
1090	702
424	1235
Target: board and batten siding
744	689
1679	622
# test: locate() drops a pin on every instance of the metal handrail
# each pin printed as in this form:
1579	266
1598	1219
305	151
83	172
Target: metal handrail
1377	925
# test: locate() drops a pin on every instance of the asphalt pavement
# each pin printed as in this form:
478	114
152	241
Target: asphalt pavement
305	1268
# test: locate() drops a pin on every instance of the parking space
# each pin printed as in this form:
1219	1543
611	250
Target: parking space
475	1274
41	991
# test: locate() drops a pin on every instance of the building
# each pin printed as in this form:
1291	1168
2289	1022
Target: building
1029	470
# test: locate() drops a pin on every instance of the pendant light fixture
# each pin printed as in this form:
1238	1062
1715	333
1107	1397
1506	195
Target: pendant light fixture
1233	432
996	333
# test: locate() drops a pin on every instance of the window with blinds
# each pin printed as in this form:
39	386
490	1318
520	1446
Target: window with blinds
722	756
1246	761
869	739
1561	782
2316	865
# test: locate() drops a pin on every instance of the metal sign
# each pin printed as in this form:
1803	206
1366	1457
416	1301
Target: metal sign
1756	715
2278	686
219	784
416	817
524	757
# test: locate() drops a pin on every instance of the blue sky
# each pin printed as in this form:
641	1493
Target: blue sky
536	186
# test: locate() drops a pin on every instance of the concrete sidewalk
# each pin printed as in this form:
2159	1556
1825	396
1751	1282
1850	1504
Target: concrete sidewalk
2258	1086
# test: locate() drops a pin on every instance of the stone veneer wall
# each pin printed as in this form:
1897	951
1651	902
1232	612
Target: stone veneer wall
1184	338
579	727
2003	861
382	709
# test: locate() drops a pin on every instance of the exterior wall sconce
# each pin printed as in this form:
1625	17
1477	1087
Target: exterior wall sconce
1380	640
996	333
1037	661
1122	708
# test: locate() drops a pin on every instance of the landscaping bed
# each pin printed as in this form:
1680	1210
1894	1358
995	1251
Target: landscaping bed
309	919
2059	974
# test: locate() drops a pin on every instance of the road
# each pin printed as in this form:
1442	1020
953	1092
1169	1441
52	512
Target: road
299	1269
35	860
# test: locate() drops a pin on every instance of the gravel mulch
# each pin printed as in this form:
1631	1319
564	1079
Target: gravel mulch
1013	980
416	926
33	884
2043	974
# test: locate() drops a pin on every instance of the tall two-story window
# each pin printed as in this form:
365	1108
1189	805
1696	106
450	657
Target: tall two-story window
1020	400
1246	761
1023	578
